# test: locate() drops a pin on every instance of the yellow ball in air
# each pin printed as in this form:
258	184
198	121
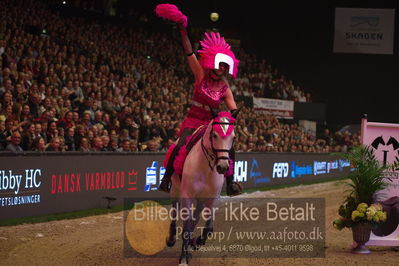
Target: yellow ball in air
214	16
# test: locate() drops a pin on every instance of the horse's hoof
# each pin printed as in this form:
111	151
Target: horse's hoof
170	243
184	260
234	189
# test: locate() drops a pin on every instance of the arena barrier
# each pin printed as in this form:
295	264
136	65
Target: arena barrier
50	183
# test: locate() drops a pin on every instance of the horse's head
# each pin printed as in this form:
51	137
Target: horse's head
221	137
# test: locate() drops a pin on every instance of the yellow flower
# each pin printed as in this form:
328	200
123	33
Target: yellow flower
355	214
362	207
369	217
371	210
376	218
377	206
382	216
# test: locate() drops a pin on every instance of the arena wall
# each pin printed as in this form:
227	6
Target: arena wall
34	185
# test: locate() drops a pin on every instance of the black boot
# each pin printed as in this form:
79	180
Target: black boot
232	188
166	180
166	183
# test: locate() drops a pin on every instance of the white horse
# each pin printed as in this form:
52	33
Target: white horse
202	181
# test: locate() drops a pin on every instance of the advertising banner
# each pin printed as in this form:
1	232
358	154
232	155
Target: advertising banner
49	184
364	30
34	185
279	108
271	169
383	139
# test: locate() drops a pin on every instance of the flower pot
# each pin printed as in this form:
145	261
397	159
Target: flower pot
361	234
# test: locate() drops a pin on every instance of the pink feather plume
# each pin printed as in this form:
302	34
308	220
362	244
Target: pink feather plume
171	12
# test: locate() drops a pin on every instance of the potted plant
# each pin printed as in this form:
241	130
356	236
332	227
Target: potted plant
360	210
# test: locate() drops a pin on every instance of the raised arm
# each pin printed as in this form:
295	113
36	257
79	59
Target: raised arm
172	13
195	66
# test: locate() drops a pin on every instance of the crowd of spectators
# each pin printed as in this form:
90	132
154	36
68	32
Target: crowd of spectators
90	85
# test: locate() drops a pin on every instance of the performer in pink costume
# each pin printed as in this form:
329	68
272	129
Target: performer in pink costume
210	88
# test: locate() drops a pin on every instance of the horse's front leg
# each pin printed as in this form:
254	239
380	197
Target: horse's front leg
208	229
188	228
197	216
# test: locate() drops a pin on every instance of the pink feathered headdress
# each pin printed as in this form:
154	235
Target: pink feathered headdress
216	50
171	12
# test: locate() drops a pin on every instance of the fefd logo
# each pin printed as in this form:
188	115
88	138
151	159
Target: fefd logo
280	170
151	180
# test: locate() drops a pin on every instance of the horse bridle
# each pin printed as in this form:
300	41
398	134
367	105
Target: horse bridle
213	156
